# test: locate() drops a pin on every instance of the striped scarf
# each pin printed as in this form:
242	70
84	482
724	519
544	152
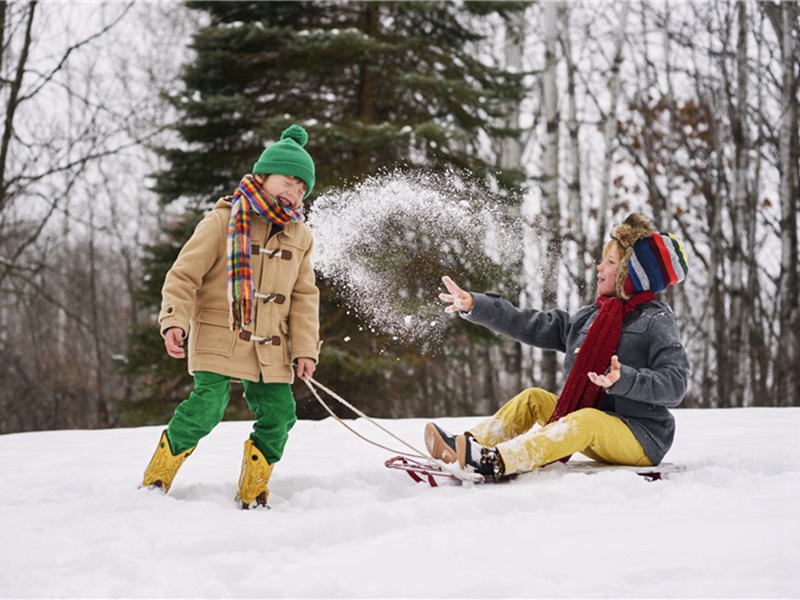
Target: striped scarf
248	196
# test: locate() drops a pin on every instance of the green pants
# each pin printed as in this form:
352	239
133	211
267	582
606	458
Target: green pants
272	403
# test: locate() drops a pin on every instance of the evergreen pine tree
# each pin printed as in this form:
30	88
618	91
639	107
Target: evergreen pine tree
378	85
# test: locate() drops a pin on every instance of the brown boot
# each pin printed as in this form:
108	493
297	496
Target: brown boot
253	491
164	465
441	444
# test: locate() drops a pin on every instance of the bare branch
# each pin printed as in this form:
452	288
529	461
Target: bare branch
13	103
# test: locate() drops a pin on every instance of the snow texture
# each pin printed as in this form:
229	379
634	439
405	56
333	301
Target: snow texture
378	242
74	524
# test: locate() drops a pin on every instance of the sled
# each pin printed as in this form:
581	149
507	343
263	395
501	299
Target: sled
653	473
423	468
429	472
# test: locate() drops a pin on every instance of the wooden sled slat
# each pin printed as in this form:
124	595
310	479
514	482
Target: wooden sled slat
652	473
428	472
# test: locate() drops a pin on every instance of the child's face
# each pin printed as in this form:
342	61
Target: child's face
288	190
607	271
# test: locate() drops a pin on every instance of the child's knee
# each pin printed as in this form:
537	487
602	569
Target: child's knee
535	395
540	403
584	417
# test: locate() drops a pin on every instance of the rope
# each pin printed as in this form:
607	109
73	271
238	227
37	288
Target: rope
416	453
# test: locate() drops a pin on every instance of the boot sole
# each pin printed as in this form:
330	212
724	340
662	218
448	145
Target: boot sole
437	446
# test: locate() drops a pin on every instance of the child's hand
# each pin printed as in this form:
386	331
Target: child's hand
460	299
173	340
610	378
305	368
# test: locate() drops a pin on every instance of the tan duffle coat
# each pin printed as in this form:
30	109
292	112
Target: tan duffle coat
285	322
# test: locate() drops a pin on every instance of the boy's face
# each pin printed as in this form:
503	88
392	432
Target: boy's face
286	189
607	271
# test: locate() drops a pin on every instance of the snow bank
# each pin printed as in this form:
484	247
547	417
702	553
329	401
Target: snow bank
73	523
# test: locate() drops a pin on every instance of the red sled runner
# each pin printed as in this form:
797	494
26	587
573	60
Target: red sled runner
428	472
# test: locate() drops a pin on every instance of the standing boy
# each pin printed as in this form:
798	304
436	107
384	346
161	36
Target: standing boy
243	290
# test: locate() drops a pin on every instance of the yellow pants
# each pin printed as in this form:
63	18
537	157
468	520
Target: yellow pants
598	435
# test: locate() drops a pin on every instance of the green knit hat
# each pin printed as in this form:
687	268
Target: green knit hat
288	157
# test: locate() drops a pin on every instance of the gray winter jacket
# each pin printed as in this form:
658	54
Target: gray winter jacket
655	368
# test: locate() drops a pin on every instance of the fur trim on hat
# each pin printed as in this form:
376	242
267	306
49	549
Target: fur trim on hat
634	228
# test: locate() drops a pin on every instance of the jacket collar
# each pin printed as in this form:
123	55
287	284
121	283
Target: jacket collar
289	230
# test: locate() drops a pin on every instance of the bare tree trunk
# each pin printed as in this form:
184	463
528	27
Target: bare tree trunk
665	220
647	101
584	274
3	10
716	283
757	342
510	158
13	103
787	364
611	125
512	147
366	91
739	216
551	234
100	412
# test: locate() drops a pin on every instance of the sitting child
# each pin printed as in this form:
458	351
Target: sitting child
624	359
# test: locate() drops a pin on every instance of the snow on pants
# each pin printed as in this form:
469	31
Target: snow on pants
272	403
594	433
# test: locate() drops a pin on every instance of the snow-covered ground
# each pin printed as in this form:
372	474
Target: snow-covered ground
73	523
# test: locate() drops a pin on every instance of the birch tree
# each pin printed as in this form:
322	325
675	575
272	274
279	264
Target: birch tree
510	156
550	228
741	311
610	122
757	337
584	274
788	362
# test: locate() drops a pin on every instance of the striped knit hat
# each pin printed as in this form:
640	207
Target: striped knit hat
650	261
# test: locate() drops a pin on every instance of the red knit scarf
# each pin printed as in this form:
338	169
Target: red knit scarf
594	355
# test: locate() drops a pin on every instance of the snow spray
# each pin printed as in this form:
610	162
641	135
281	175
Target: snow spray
385	244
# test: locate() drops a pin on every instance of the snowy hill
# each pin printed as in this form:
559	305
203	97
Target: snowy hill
73	523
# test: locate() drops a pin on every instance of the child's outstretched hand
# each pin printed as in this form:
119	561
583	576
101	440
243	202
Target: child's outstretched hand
460	299
173	340
610	378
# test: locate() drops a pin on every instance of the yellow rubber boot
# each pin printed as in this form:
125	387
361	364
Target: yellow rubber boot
164	465
253	491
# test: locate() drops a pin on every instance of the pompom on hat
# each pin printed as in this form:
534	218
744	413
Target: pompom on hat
650	260
288	157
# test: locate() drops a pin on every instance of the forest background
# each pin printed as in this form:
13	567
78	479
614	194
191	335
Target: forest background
123	122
